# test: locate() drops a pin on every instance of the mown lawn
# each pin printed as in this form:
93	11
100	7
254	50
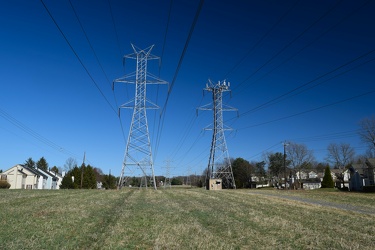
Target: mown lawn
182	219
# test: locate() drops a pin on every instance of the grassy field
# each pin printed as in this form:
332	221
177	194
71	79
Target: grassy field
180	218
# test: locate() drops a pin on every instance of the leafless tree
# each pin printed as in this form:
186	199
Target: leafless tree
299	156
340	155
70	164
367	132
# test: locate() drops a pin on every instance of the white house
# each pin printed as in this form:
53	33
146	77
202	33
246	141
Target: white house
42	177
21	178
52	179
301	175
312	175
56	180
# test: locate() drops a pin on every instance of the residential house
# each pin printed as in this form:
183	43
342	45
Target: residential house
57	179
42	178
53	180
20	177
365	171
301	175
312	175
341	177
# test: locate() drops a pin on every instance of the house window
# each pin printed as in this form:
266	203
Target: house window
3	177
29	186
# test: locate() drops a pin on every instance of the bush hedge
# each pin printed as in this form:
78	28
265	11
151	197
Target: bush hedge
369	189
4	184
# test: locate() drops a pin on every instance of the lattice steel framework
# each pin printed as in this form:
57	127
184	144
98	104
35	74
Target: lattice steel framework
138	148
219	165
167	180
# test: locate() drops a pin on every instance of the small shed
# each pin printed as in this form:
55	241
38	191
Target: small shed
215	184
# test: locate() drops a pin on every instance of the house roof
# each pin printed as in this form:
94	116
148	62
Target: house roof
18	168
45	172
36	171
370	162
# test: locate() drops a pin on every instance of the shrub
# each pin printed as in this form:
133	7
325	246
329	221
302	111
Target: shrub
4	184
327	179
369	189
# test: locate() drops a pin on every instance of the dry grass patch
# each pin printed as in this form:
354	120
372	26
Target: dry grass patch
177	219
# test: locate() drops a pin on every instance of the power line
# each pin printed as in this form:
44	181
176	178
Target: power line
161	60
186	132
314	40
91	47
260	40
311	110
285	95
183	54
277	144
289	44
100	65
115	28
162	114
78	58
34	134
331	136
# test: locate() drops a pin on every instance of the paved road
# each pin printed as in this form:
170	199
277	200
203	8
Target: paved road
347	207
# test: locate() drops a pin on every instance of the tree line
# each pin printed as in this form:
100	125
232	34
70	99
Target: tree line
297	157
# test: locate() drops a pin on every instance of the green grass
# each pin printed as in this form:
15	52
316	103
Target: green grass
182	219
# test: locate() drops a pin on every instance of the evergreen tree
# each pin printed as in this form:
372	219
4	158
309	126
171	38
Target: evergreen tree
89	178
109	182
176	181
55	169
276	164
327	179
29	163
76	173
67	182
42	164
242	171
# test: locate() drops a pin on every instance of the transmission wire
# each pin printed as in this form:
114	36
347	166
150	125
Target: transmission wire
311	110
162	114
78	58
100	65
289	44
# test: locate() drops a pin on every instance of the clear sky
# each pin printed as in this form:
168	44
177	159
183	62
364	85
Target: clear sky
300	71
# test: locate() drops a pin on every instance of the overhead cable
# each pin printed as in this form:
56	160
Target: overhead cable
100	65
78	58
310	110
289	44
162	114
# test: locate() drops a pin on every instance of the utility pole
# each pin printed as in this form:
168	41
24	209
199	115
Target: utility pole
82	167
188	179
285	144
138	154
109	179
219	165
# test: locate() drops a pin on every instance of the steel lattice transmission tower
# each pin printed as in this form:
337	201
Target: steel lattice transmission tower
167	180
219	165
138	148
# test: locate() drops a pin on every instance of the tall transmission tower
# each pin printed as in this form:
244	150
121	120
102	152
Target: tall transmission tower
138	148
167	180
219	165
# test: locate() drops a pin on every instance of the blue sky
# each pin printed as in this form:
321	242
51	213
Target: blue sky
51	106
